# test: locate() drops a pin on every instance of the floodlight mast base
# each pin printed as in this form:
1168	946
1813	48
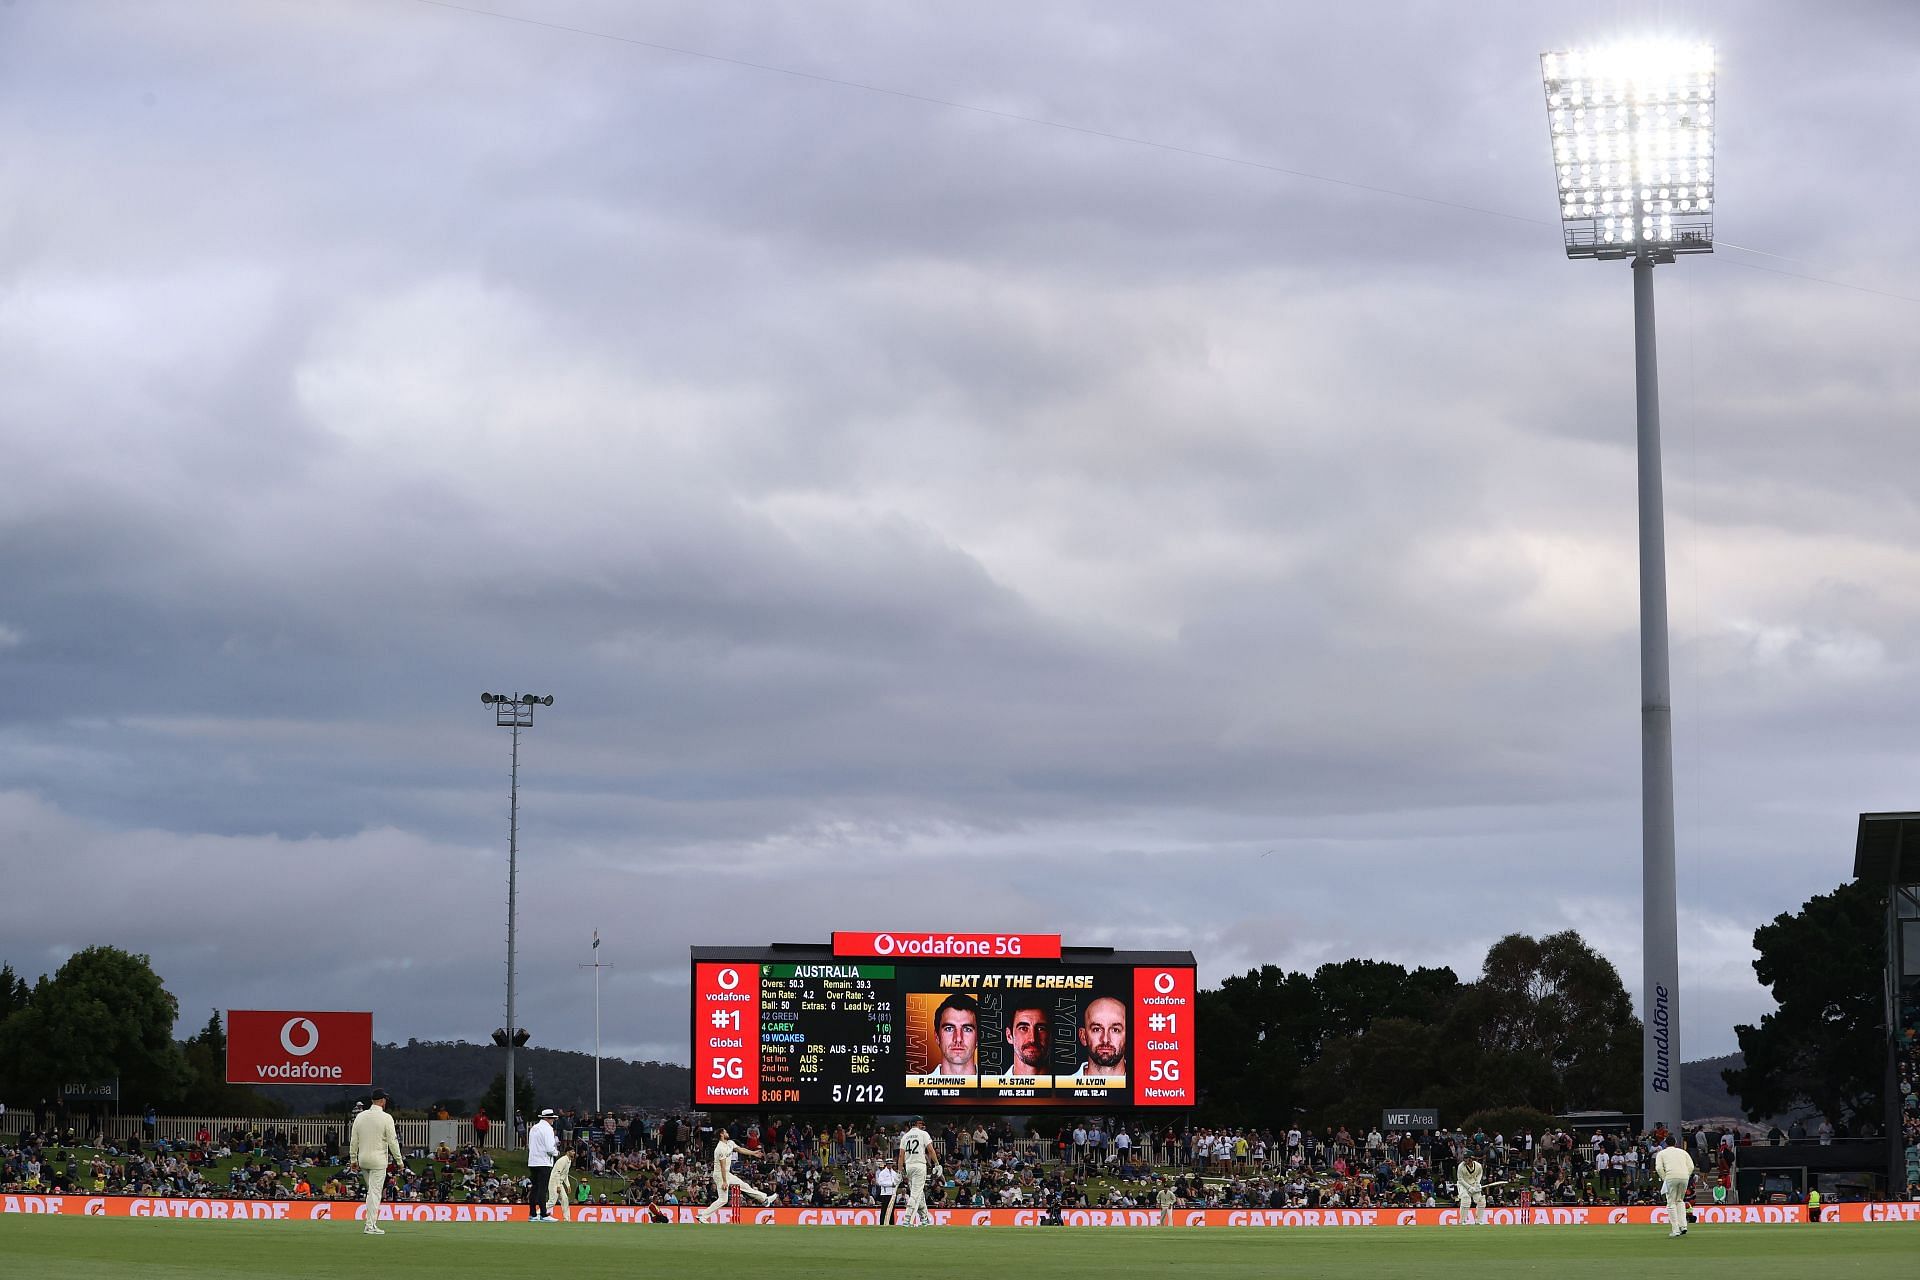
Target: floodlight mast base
1660	928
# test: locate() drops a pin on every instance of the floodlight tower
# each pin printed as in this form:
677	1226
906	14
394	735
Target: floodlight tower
1632	129
515	713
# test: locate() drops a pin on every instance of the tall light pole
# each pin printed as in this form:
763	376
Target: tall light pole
596	966
515	713
1632	129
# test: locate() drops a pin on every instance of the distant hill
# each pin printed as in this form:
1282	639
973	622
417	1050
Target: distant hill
418	1073
1703	1093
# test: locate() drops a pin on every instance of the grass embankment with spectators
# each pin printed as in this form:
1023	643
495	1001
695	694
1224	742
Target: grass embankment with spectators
72	1248
218	1171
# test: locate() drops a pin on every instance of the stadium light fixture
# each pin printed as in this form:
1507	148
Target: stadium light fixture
1632	131
515	713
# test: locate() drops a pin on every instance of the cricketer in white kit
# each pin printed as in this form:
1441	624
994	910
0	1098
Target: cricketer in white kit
914	1146
1674	1167
725	1179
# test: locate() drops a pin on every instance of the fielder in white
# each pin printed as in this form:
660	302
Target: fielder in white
1674	1167
914	1146
559	1182
373	1141
1473	1195
725	1179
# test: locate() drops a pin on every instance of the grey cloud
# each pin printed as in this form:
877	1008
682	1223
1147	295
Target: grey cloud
914	511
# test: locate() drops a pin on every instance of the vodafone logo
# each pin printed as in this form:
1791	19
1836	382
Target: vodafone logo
274	1046
977	946
308	1037
1163	983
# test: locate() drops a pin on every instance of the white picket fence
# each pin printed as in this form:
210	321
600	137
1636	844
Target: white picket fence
306	1130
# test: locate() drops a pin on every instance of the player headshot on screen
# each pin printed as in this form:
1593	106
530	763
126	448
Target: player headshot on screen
1103	1034
956	1028
1029	1035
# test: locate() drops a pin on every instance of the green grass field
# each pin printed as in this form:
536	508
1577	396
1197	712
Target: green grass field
74	1248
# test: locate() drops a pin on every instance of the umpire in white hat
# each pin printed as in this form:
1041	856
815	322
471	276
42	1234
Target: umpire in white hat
543	1148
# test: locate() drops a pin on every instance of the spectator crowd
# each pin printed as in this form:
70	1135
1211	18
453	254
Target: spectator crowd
665	1160
1909	1077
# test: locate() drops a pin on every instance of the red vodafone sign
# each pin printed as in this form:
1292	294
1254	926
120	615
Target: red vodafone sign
914	944
281	1046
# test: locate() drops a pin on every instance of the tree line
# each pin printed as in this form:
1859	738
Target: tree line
105	1016
1547	1027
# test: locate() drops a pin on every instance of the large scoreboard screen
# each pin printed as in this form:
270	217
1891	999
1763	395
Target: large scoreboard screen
976	1022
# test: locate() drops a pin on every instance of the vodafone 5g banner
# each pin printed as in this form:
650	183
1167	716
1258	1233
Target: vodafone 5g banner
280	1046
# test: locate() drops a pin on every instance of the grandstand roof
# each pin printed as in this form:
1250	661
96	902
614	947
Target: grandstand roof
1887	850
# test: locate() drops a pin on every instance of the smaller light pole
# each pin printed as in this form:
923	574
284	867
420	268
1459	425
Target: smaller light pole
596	966
515	713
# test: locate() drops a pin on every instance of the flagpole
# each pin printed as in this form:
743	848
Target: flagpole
596	1022
596	966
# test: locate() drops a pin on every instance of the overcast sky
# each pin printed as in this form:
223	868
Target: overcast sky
922	516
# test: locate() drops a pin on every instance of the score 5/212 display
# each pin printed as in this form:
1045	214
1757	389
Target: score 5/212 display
800	1028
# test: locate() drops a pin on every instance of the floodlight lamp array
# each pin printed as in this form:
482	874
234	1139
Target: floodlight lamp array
515	711
1632	129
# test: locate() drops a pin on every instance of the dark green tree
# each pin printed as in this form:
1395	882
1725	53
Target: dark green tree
1255	1032
207	1092
494	1100
1549	1025
1356	993
14	993
1265	1035
1393	1063
1823	1045
103	1015
16	997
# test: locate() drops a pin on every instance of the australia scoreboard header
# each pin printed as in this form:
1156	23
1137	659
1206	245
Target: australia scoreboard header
905	1021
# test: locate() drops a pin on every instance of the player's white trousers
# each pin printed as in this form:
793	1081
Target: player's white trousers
1471	1201
1676	1191
722	1185
376	1176
917	1194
